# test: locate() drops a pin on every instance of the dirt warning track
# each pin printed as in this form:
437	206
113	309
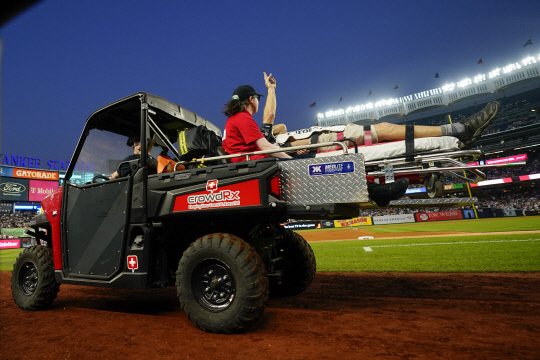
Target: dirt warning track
341	316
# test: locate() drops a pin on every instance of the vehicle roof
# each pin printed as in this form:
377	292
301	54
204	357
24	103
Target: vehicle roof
130	105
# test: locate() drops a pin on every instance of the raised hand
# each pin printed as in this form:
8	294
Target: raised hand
269	81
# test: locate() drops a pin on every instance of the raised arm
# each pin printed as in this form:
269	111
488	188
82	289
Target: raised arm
269	113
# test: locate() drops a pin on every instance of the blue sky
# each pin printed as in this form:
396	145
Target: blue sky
64	59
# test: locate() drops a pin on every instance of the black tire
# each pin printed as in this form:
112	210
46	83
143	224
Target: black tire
222	284
32	281
298	264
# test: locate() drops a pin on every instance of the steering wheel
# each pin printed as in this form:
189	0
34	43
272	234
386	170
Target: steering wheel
95	179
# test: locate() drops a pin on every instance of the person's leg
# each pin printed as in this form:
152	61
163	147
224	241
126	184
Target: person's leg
393	132
279	129
468	131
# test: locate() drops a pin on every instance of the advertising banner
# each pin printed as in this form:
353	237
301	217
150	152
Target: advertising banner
529	177
393	219
492	182
509	212
13	189
360	221
439	215
27	242
468	214
35	174
303	225
38	189
327	223
416	191
503	160
10	244
14	232
6	171
453	186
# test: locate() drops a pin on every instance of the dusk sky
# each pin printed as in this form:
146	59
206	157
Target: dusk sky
64	59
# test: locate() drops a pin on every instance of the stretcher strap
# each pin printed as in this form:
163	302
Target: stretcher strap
315	140
409	142
367	135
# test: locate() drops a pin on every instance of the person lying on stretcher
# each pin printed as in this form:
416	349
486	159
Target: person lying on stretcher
467	132
242	135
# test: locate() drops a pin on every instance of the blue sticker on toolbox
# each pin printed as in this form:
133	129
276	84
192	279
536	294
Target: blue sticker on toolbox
332	168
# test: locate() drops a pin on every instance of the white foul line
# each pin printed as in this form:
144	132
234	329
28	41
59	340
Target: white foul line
369	248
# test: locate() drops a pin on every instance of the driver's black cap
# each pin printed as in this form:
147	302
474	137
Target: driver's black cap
132	140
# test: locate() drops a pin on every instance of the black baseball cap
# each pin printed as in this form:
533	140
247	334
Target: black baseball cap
132	140
243	92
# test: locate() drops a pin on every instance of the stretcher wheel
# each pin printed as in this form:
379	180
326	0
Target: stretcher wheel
434	186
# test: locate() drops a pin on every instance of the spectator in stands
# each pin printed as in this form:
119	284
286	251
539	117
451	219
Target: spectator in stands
19	219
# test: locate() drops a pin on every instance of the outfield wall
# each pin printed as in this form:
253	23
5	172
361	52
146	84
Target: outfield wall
458	214
23	242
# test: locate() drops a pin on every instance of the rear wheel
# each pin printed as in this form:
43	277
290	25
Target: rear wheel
32	281
222	284
297	263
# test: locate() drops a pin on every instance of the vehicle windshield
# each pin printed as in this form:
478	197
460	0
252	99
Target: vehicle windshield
102	153
106	142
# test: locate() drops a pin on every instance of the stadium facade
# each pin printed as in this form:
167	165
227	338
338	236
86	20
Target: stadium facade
511	80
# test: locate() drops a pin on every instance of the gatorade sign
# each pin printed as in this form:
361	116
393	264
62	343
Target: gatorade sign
35	174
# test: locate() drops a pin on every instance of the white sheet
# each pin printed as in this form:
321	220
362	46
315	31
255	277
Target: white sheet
397	148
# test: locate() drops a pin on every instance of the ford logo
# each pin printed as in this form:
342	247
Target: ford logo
12	188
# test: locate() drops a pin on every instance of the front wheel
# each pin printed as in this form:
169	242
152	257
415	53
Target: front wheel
222	284
32	281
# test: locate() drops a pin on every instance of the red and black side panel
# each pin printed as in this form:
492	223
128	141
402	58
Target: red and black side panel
244	187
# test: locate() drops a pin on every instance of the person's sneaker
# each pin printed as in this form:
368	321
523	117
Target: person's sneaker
382	194
476	123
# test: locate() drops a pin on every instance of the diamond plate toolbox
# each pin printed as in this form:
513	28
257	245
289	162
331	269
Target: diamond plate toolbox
333	179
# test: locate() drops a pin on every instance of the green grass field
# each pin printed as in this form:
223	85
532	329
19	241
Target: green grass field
474	253
492	253
7	258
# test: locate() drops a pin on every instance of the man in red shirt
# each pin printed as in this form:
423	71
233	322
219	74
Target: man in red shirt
241	133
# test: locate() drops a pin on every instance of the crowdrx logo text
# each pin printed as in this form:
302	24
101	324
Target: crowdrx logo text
215	198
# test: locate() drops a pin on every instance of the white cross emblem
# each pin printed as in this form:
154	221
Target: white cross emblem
132	263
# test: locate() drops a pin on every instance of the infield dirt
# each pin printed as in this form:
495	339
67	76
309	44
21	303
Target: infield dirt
341	316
